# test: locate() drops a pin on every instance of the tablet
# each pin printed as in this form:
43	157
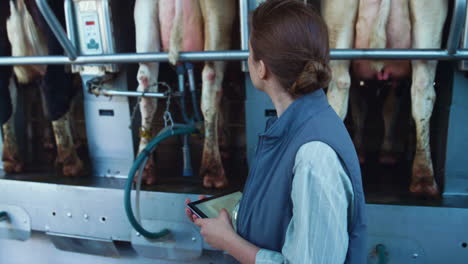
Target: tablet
210	207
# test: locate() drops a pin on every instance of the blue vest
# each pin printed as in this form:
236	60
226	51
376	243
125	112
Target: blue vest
266	207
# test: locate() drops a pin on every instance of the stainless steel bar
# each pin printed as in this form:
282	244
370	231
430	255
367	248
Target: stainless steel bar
396	54
456	26
57	29
70	21
235	55
110	93
244	29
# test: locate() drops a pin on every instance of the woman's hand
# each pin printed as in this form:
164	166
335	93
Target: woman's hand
217	232
191	216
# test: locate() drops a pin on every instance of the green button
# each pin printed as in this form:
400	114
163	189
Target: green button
93	44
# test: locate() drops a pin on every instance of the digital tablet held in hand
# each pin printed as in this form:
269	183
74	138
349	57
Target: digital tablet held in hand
210	207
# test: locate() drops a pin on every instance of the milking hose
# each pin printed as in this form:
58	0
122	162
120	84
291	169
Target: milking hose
3	216
193	91
180	76
141	170
189	129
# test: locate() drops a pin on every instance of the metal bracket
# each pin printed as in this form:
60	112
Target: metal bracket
15	223
184	242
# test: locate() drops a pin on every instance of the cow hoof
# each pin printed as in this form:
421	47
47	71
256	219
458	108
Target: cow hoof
387	158
11	162
424	190
424	187
149	173
73	169
12	166
215	182
212	171
423	183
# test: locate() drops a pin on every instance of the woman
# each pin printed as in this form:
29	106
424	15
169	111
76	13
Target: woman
303	200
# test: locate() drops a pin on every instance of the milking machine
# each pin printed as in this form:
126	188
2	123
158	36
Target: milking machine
107	119
110	139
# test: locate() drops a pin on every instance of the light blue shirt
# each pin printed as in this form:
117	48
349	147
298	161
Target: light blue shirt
321	195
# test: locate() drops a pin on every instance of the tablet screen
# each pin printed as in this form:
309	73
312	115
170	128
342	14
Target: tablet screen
210	208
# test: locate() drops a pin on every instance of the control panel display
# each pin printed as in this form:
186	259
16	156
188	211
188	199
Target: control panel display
90	34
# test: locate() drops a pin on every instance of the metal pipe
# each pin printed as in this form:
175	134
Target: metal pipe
236	55
396	54
57	29
110	93
244	29
70	21
456	26
187	170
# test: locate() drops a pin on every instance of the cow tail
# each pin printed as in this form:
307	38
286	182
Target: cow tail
26	40
378	36
176	40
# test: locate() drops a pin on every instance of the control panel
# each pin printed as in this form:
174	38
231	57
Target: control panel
90	27
90	34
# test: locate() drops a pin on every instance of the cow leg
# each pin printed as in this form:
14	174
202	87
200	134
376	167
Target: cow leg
390	112
340	17
148	108
218	18
147	40
427	34
12	162
10	155
212	169
66	151
359	115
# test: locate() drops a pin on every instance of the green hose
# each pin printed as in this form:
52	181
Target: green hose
381	254
136	165
3	216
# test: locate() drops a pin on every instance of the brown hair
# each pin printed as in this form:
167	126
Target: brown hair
292	40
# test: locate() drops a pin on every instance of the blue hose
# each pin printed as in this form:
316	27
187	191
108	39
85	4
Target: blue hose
189	129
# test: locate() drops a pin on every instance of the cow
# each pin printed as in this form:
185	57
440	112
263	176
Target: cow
29	36
187	25
389	24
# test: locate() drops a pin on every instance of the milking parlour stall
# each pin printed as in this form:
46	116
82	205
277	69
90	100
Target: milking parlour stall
114	112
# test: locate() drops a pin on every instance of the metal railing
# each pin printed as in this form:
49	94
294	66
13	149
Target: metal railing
451	53
57	29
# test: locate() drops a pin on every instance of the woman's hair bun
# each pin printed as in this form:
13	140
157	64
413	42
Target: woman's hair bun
315	75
